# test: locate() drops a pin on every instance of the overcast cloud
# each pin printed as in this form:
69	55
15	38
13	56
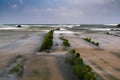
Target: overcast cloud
59	11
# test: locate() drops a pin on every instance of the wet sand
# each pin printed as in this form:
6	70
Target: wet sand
101	59
49	67
13	43
104	59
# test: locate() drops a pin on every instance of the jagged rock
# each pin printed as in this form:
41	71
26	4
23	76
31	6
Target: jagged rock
19	26
118	25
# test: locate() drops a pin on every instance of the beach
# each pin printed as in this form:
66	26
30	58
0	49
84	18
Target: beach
104	59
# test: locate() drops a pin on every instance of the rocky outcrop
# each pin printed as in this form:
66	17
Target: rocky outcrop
19	26
118	25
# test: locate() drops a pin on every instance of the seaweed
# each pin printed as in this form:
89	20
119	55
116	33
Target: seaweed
47	42
83	71
90	41
18	68
65	42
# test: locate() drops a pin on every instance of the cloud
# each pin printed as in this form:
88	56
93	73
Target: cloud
85	1
70	11
76	8
21	1
14	6
65	12
58	12
95	8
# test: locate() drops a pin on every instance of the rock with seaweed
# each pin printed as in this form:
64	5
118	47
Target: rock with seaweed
48	41
65	42
83	71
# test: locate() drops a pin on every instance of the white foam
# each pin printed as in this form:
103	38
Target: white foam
69	32
111	24
101	29
9	28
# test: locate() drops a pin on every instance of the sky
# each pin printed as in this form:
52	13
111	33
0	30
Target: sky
59	11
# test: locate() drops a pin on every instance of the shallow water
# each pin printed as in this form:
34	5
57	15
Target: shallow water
19	42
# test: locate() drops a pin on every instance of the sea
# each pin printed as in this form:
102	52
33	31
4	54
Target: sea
94	27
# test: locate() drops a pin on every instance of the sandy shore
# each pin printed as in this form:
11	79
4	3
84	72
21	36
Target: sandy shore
103	59
37	66
13	43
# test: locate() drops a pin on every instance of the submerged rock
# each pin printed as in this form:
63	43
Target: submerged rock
57	28
14	70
